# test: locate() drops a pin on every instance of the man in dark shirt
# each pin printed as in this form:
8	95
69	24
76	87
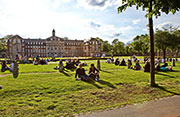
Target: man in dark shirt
80	72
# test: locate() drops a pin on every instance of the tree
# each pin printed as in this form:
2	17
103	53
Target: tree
119	48
105	45
162	41
3	43
167	39
115	41
153	8
176	42
140	44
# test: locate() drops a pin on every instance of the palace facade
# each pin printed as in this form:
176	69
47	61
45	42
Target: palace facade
53	46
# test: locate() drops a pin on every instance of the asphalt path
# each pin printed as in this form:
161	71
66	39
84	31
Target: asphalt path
165	107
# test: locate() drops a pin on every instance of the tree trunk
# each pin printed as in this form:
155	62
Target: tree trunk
159	52
177	54
164	54
151	35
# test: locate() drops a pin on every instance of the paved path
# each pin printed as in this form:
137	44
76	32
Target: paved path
165	107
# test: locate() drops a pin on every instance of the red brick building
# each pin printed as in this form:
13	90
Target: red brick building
53	46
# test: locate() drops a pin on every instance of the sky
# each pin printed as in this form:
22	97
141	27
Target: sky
76	19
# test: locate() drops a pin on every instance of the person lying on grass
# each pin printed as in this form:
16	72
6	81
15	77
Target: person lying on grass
94	73
162	68
80	72
137	66
164	64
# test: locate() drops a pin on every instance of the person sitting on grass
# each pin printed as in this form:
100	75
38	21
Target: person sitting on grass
129	64
123	63
112	60
147	67
60	64
108	60
157	67
77	62
11	66
84	64
36	62
80	72
4	67
70	65
117	61
94	73
137	66
43	62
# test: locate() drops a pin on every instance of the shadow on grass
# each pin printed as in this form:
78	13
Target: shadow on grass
93	83
107	83
164	89
159	73
65	73
106	71
175	70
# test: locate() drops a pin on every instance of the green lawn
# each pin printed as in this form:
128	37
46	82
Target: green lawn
42	91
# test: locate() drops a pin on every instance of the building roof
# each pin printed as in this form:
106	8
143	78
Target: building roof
34	40
54	38
16	36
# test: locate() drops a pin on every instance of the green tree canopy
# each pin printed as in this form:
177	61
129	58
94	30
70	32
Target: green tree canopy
141	44
105	45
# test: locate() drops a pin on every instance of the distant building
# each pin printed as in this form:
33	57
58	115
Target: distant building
53	46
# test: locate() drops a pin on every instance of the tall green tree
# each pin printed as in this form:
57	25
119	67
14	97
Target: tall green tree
176	42
163	41
153	8
140	44
119	48
3	42
105	45
115	41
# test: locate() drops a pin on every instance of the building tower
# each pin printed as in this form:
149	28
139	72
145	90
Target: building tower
53	33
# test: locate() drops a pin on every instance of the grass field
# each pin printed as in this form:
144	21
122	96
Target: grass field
42	91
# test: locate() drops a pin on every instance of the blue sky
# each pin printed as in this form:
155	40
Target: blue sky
76	19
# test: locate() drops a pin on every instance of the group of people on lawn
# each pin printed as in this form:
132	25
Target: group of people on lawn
137	65
70	64
93	73
5	67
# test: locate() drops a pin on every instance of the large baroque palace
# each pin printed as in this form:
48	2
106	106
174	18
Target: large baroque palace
53	46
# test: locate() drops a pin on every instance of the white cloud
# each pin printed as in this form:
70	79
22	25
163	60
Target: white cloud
108	30
164	25
98	4
117	2
136	21
36	18
58	3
